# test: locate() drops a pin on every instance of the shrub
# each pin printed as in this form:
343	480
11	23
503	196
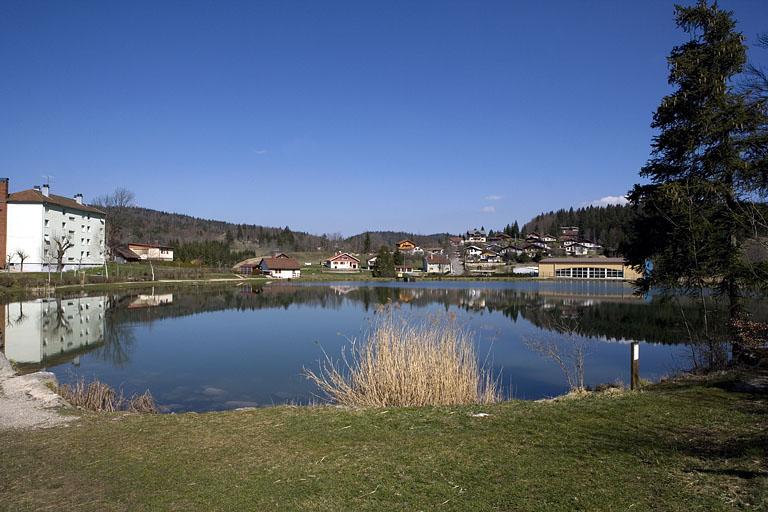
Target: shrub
408	364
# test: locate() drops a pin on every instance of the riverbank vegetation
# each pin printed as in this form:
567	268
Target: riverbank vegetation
401	364
691	445
100	397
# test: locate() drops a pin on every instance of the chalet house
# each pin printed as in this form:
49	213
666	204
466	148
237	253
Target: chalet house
343	261
476	236
535	248
372	261
437	264
511	251
152	251
490	257
569	232
473	251
455	241
434	250
408	247
536	237
575	249
500	238
280	267
32	221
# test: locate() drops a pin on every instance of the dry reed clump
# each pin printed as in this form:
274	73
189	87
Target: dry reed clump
408	364
97	396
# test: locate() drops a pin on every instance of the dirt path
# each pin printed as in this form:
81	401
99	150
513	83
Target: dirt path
26	401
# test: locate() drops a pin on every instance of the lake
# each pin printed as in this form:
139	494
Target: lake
215	348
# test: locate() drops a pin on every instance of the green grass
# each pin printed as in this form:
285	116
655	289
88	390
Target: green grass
677	447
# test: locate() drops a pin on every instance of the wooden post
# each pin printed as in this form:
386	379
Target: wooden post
635	365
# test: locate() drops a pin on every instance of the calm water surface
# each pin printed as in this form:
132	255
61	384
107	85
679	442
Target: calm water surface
203	349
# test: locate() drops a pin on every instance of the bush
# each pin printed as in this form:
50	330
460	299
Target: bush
405	364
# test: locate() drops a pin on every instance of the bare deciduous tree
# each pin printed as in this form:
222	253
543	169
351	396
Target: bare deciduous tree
116	204
62	244
23	256
563	344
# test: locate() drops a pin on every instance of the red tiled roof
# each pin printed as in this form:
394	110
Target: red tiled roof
35	196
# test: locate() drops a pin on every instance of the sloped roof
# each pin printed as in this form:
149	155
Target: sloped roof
126	253
35	196
281	263
438	259
342	256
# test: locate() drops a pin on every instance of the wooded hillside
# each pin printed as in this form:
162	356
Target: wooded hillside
603	224
215	241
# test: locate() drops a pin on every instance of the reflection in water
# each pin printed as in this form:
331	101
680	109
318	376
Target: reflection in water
40	330
218	348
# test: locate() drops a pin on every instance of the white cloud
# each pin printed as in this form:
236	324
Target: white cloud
608	200
492	198
488	209
260	151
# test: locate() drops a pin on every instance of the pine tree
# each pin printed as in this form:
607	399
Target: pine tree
385	265
692	218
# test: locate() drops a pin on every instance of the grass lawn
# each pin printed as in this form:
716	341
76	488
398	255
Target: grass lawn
685	447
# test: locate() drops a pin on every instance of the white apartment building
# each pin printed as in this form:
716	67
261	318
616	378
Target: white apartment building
31	222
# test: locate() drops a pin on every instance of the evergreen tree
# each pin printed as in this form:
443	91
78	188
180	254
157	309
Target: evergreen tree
693	217
367	243
385	264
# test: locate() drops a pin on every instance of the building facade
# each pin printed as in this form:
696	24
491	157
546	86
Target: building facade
152	251
34	223
280	267
437	264
587	268
343	261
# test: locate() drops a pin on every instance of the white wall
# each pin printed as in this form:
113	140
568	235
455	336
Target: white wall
25	231
86	230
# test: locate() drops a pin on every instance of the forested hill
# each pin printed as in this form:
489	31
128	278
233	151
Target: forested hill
152	226
602	224
358	243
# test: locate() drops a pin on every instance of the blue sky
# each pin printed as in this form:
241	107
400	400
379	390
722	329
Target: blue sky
338	116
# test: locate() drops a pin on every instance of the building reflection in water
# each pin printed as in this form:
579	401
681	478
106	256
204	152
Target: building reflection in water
41	329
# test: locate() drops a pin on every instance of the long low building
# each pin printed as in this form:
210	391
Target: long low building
587	268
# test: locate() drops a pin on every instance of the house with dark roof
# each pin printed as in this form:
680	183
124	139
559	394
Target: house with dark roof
42	231
437	264
280	267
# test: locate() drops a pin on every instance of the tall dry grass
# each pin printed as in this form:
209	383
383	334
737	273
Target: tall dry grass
404	363
97	396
